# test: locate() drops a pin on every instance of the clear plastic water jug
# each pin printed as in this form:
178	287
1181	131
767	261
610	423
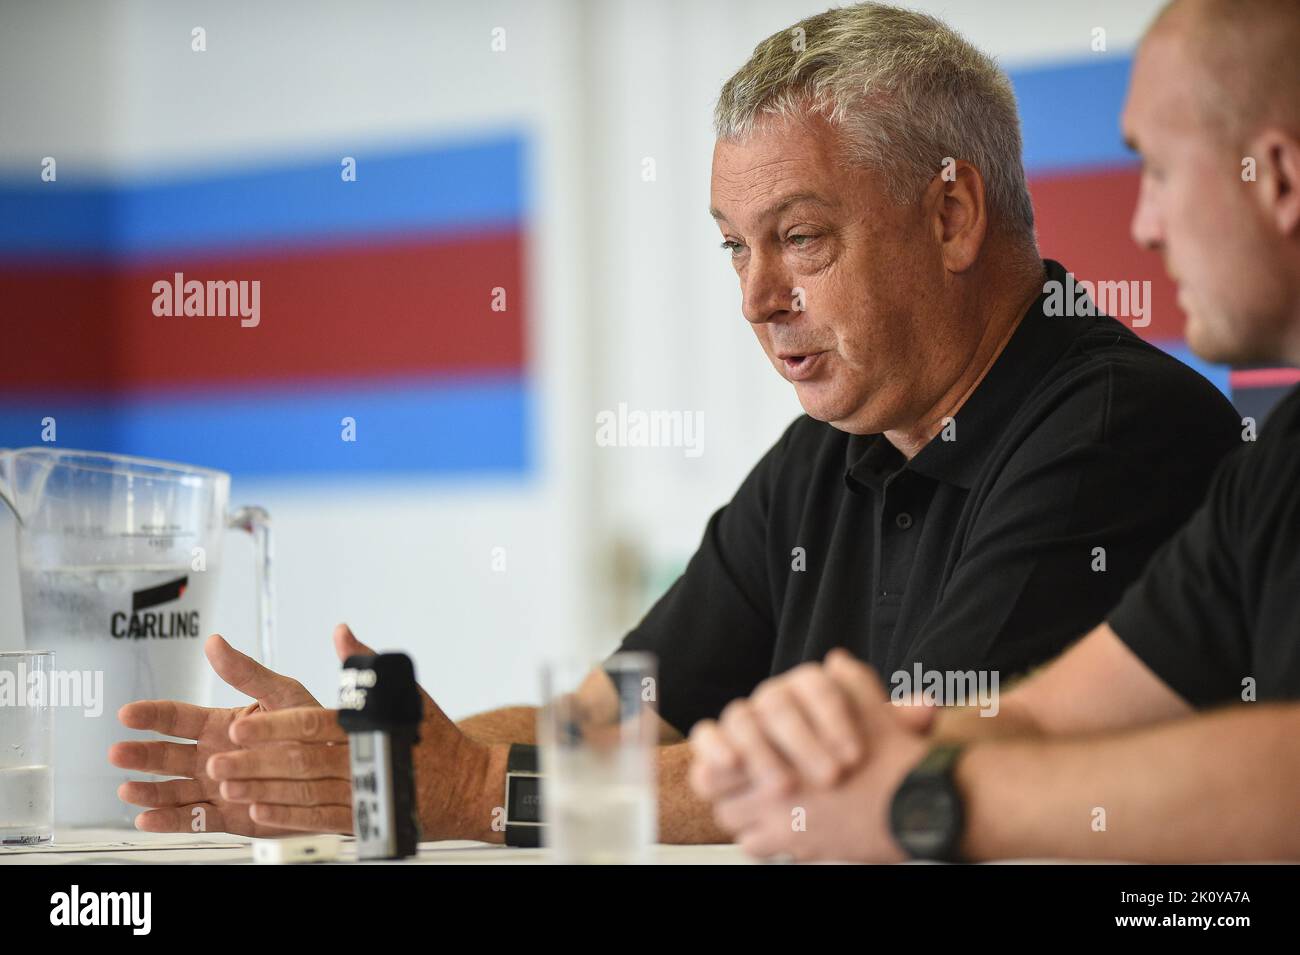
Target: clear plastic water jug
118	560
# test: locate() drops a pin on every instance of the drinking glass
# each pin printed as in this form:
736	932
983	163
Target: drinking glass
598	768
26	790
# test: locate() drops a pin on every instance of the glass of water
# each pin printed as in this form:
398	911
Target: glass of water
26	794
599	796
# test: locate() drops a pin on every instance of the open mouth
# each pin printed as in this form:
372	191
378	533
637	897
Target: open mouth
799	367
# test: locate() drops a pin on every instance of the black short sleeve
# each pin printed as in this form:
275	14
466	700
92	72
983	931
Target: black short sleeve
1218	605
713	631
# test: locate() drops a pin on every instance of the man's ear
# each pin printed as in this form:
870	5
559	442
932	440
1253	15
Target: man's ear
954	201
1277	154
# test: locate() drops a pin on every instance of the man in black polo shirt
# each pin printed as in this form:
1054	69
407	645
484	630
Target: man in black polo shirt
976	480
1077	454
1213	622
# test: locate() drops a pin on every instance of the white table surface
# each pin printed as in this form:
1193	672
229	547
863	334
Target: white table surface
98	846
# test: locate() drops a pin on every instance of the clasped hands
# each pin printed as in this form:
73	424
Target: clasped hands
807	766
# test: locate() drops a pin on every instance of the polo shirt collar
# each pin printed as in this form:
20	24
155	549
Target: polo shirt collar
1038	341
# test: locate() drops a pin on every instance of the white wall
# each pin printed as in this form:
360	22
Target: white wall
407	563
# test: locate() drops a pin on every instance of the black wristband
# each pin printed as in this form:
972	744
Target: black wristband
523	797
927	817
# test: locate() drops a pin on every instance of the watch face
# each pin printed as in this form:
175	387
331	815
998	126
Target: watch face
926	818
524	799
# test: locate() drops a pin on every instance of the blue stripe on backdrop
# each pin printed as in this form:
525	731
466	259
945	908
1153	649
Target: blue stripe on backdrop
453	187
1069	114
462	427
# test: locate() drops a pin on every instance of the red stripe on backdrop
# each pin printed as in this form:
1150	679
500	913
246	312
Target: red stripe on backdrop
401	308
1265	377
1083	223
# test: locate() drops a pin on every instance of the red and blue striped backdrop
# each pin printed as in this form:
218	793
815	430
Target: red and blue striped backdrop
1085	183
376	304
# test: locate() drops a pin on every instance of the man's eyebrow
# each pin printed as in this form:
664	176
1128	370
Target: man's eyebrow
782	204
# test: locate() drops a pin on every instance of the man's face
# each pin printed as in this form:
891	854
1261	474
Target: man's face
842	285
1195	209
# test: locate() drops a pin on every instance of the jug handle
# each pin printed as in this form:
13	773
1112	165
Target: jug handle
257	522
6	482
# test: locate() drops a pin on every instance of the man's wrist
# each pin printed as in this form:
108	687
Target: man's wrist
976	777
472	805
961	723
491	811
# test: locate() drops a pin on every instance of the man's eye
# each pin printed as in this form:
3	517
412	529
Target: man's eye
732	247
799	240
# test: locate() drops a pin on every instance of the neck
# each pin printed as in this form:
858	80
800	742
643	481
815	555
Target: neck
1003	316
1291	351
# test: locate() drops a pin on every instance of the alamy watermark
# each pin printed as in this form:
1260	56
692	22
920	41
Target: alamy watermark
634	428
1130	300
75	689
978	688
211	299
131	910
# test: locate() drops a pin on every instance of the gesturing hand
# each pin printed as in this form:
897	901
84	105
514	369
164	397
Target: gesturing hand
196	801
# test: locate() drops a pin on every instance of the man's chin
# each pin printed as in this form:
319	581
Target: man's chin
1218	347
838	414
815	400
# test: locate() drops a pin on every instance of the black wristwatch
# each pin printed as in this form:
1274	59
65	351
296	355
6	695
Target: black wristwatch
523	797
927	817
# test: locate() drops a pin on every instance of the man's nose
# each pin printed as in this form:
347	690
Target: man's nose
1145	227
766	289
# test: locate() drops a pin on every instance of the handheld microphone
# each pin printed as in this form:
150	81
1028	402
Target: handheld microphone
380	709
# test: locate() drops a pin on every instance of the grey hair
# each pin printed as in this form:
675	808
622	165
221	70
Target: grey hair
906	91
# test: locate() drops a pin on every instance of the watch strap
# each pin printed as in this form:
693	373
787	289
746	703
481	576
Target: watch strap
939	761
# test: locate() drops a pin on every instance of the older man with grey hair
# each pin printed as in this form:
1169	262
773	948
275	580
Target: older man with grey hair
974	483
